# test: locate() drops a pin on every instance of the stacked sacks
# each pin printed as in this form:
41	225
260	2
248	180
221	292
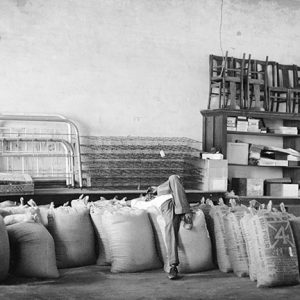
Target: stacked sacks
234	239
194	246
217	213
73	235
274	248
4	250
32	247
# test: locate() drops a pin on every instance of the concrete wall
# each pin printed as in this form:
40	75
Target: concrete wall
132	67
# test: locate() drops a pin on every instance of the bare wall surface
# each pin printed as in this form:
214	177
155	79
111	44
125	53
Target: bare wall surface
132	67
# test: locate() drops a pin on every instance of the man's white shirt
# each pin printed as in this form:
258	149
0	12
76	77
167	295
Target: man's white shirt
158	201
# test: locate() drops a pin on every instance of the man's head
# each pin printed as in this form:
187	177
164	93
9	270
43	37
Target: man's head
151	193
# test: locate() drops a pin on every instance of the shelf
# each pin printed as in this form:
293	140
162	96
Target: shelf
53	191
275	200
250	113
286	167
262	134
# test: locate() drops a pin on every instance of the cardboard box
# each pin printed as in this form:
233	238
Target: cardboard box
248	186
238	153
284	190
214	175
217	156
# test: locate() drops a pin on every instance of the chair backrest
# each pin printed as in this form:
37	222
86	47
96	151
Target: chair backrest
296	75
257	69
217	64
284	76
272	73
235	67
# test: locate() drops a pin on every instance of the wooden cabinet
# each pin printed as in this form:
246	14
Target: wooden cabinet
215	135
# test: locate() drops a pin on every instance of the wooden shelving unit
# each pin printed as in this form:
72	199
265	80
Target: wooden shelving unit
215	135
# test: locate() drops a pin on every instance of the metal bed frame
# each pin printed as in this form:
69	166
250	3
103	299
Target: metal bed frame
47	147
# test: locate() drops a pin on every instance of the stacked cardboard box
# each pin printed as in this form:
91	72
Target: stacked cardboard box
281	187
231	123
253	125
242	123
248	186
213	174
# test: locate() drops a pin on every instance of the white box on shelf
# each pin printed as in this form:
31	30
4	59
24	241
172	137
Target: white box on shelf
238	153
284	190
214	175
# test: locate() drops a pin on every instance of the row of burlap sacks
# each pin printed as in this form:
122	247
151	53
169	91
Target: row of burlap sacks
37	241
256	241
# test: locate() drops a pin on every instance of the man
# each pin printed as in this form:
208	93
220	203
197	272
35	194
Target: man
171	200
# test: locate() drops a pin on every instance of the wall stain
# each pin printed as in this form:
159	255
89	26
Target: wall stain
21	3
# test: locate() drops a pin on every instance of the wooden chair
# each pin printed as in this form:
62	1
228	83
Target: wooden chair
256	84
279	92
233	82
226	81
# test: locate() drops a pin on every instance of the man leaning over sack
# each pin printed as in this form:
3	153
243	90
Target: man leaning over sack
170	198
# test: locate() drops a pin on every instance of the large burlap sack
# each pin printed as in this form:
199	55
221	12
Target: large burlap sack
44	210
194	246
102	241
217	213
131	240
153	213
295	223
277	261
205	206
32	251
249	237
4	251
235	242
73	236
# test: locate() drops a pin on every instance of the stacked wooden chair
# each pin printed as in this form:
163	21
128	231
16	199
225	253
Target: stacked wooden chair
237	83
226	81
256	84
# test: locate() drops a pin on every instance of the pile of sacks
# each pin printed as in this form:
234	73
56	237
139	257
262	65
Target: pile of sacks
37	241
262	243
258	242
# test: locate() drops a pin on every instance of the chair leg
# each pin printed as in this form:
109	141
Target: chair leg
209	97
277	102
220	95
288	102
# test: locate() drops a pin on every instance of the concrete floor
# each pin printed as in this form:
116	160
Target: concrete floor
94	282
